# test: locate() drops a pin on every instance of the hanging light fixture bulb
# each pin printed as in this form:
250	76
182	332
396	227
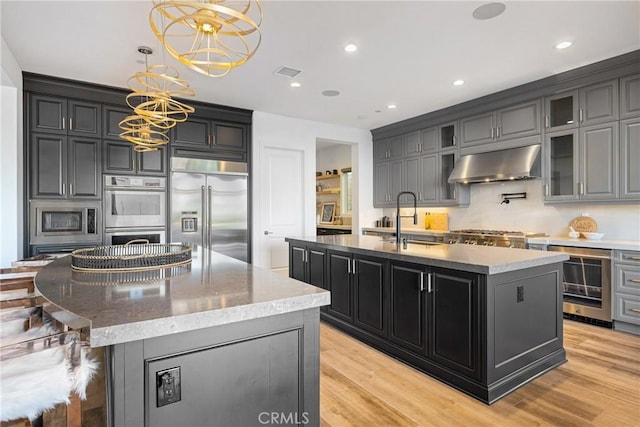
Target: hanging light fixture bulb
208	36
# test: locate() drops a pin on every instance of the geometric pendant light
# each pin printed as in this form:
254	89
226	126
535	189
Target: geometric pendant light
208	36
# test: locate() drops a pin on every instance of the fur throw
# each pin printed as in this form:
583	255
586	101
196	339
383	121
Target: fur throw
36	382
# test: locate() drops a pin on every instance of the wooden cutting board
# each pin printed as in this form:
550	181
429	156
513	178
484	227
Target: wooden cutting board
584	224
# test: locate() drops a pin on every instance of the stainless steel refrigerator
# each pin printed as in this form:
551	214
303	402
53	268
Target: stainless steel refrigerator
209	205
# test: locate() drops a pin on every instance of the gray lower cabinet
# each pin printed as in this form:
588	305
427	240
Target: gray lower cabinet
629	155
626	290
64	167
507	123
630	97
470	330
239	374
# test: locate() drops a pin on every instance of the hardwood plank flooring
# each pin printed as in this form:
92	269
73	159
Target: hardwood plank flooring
598	386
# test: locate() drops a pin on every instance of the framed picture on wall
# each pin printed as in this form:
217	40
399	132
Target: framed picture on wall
328	210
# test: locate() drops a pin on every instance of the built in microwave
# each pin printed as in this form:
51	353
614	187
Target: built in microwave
64	221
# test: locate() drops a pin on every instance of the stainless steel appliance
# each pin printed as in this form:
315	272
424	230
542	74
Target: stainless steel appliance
121	237
501	165
499	238
586	282
133	202
209	205
53	222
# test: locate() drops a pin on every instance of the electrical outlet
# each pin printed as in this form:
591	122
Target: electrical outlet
168	386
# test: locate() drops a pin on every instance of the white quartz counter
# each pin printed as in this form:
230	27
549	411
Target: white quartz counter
214	290
628	245
477	259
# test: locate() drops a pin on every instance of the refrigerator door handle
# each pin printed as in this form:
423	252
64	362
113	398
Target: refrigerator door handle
209	198
203	226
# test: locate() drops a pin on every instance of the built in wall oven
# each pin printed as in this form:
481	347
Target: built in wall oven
55	222
586	282
123	237
133	202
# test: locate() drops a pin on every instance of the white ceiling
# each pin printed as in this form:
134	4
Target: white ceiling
409	51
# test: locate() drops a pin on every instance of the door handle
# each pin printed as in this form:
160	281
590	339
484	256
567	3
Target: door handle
635	310
70	123
354	266
581	114
421	281
429	283
267	232
209	215
203	226
498	132
349	266
546	121
634	280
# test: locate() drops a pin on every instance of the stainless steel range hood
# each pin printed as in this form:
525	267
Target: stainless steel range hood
502	165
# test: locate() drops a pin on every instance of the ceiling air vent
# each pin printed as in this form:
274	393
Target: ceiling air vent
287	72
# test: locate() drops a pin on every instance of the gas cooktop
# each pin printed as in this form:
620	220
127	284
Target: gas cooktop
496	233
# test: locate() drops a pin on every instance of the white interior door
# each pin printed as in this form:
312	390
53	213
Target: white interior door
281	211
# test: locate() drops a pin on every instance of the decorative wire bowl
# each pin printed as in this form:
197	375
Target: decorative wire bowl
131	257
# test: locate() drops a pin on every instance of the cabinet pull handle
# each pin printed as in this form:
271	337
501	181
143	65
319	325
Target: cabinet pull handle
453	140
421	281
349	267
498	132
634	280
581	114
354	266
63	120
491	133
581	188
139	163
546	189
637	258
71	189
64	187
306	256
429	283
635	310
213	139
546	121
420	147
419	195
70	123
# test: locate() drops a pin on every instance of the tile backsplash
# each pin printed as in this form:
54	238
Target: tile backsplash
617	221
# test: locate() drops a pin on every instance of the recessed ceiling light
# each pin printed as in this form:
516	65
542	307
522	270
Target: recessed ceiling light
563	45
295	84
392	106
458	83
350	48
330	93
488	11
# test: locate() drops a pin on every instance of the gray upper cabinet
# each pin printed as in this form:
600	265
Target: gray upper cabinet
584	107
421	142
205	134
64	167
120	158
420	176
598	162
388	149
507	123
630	97
53	114
448	135
387	182
629	155
598	103
581	165
411	143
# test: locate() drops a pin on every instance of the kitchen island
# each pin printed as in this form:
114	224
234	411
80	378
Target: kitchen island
216	342
482	319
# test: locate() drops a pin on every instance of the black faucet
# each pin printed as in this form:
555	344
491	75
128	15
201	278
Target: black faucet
398	216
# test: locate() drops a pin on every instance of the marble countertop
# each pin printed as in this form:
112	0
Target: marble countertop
629	245
476	259
213	290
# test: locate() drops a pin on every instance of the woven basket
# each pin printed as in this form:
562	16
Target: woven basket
136	257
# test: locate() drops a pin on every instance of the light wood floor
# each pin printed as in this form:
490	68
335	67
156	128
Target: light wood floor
598	386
